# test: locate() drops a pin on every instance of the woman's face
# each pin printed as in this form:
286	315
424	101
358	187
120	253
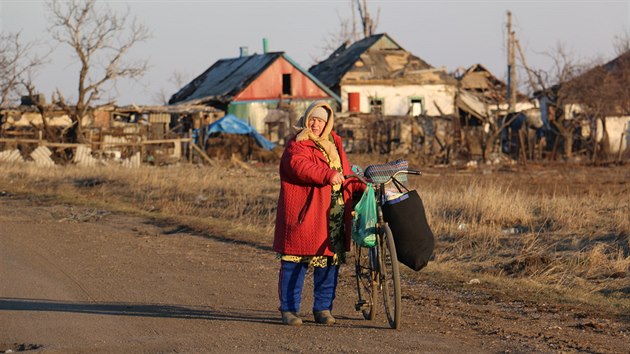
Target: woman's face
316	125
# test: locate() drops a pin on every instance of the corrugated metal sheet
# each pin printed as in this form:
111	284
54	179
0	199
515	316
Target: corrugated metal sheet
41	156
11	156
226	78
159	117
83	157
111	142
341	60
133	162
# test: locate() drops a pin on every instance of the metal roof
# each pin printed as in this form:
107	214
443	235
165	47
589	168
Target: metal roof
228	77
225	78
331	70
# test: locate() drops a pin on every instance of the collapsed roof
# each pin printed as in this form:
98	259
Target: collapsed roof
376	58
481	81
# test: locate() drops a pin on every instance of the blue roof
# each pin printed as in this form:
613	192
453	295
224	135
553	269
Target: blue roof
233	125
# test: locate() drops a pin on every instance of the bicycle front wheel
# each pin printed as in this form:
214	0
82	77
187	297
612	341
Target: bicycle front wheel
364	262
390	276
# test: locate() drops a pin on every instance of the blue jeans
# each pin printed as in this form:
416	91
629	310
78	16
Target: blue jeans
291	282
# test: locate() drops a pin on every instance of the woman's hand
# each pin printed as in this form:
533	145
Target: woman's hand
337	178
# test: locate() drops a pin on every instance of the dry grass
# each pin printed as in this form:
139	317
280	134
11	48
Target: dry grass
566	228
561	228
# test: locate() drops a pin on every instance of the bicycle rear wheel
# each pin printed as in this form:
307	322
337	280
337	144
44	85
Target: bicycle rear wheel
390	276
366	282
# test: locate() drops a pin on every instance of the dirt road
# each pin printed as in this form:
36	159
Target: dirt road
74	279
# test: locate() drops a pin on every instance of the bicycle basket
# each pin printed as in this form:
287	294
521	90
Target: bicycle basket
382	172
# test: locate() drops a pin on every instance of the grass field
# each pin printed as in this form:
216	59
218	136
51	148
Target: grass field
543	232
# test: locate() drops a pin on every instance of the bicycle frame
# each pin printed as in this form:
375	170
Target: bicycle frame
373	252
380	259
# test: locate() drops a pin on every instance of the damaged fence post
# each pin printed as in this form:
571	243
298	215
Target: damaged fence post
190	148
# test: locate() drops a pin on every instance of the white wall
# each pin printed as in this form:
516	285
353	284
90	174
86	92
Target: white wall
258	112
397	98
615	127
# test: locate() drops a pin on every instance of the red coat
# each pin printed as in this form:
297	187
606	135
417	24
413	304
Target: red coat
302	225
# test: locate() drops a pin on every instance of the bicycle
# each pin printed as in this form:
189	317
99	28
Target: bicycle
377	268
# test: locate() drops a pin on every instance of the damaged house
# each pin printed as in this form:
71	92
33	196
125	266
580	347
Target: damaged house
376	75
383	90
156	134
478	80
485	118
590	113
268	91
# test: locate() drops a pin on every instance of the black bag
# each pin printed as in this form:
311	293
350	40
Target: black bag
412	235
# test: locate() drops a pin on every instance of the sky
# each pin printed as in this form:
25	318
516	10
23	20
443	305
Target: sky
187	37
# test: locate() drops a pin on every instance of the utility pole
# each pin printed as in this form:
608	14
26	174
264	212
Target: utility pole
511	82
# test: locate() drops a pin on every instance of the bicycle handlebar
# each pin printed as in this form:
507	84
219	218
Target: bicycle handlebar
365	181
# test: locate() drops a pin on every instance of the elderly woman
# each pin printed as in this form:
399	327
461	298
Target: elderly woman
313	220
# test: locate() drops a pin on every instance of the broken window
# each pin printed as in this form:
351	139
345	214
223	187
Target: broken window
286	84
376	105
416	106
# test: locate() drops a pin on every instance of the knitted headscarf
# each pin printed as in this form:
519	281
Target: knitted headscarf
325	140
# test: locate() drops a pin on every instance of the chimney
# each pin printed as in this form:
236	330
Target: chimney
243	52
264	45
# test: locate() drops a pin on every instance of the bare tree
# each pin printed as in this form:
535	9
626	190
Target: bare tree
369	24
621	42
17	64
341	37
347	33
548	82
176	81
100	39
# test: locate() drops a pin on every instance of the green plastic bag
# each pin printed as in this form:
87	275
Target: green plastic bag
364	219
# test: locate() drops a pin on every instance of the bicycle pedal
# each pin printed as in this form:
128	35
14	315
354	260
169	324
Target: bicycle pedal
361	305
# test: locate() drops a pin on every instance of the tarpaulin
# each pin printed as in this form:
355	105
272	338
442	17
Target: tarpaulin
232	125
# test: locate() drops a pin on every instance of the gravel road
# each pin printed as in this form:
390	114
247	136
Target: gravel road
78	280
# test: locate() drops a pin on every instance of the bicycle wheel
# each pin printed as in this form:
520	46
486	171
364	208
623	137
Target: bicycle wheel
366	282
390	276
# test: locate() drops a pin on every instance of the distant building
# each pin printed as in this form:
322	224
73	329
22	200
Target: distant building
268	91
483	96
480	82
598	99
376	75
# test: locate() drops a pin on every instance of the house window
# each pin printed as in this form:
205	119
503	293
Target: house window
416	106
376	105
286	84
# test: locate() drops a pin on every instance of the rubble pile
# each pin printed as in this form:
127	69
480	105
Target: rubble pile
224	146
